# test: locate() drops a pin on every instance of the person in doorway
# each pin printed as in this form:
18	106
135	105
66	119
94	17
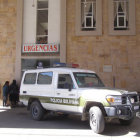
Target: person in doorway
5	93
14	93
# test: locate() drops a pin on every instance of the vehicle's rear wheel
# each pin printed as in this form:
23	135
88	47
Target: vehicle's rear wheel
126	122
96	120
37	111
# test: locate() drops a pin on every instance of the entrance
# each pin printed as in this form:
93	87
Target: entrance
28	64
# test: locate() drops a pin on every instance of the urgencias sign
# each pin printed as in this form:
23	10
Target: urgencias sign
40	48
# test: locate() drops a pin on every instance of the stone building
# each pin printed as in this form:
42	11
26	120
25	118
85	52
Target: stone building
100	35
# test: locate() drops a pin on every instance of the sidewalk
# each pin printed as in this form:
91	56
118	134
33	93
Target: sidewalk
1	103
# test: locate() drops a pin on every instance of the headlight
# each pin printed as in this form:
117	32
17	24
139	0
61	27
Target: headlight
114	100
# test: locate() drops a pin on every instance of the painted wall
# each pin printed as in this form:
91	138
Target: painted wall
54	21
29	22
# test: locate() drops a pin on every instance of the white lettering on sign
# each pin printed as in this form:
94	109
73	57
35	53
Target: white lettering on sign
43	48
56	100
64	101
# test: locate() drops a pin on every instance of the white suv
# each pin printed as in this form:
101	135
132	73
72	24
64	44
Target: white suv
72	90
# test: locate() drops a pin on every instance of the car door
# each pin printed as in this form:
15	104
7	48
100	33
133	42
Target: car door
65	93
28	84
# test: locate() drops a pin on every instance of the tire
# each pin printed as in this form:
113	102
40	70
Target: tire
126	122
96	120
37	111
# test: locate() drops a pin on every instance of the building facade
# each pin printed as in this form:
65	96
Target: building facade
100	35
110	44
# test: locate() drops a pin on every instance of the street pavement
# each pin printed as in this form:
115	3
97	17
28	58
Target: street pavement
16	123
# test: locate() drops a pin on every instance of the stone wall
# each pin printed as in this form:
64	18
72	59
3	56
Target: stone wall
93	52
7	39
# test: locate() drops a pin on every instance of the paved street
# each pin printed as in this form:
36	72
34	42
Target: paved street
16	123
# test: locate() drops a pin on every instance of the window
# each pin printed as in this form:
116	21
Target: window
64	81
88	17
30	78
42	21
122	17
121	14
88	80
45	78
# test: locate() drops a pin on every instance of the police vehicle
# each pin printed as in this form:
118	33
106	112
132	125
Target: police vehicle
76	91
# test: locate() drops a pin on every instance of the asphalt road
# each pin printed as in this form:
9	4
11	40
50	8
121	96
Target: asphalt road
16	124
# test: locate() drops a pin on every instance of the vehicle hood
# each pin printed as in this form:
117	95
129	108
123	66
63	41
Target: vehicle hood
102	91
100	94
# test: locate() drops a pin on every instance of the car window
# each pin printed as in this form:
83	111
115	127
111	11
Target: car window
65	81
30	78
88	80
45	78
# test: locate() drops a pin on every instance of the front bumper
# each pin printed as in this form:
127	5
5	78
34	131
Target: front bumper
124	112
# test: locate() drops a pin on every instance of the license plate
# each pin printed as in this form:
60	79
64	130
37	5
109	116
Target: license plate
136	107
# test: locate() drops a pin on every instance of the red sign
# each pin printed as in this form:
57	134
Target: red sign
40	48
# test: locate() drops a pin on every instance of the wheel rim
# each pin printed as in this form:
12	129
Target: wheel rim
93	119
35	111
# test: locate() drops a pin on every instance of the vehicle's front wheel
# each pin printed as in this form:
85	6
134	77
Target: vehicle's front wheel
37	111
96	120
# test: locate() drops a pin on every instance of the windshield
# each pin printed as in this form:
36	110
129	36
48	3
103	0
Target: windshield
87	80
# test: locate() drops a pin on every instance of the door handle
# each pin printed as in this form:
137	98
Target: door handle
58	93
24	92
71	94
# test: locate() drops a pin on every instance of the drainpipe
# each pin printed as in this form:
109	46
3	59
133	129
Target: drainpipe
114	81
